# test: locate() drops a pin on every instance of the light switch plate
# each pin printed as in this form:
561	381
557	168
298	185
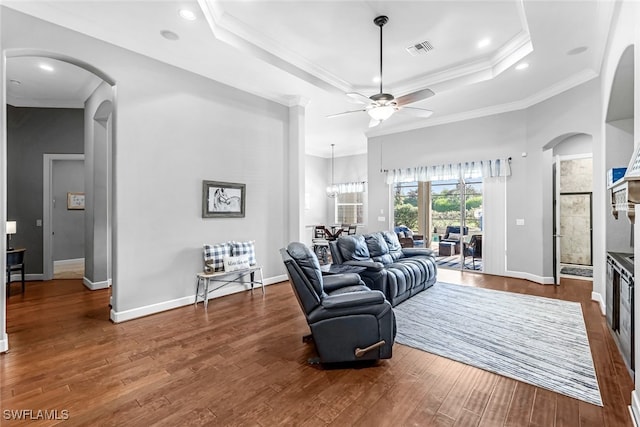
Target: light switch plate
381	219
520	221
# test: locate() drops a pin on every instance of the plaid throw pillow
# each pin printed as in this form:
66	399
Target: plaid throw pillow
214	256
244	248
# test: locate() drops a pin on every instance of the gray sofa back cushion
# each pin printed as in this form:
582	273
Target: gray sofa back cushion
309	264
353	248
395	250
378	248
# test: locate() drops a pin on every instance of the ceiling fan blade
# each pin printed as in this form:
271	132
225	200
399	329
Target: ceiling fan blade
414	97
343	113
373	123
417	112
359	98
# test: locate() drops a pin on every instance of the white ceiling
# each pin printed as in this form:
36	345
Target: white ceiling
317	50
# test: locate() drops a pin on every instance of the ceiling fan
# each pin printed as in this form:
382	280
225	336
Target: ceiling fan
381	106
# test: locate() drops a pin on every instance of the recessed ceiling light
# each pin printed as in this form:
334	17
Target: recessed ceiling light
46	67
376	79
522	66
187	14
169	35
15	82
484	42
577	50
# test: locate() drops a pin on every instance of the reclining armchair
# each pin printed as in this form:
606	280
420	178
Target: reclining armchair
348	321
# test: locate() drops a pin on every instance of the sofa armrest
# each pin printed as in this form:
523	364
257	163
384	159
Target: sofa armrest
371	265
409	252
336	281
352	299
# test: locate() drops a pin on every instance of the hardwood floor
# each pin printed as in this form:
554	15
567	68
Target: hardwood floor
242	362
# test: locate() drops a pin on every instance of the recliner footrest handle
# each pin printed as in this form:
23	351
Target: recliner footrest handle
362	351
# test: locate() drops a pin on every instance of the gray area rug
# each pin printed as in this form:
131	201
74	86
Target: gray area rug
540	341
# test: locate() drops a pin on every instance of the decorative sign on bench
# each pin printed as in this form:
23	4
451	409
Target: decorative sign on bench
235	263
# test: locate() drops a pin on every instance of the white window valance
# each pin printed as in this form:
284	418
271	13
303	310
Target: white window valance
475	169
351	187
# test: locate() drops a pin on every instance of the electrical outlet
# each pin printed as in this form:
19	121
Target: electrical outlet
520	221
381	219
38	223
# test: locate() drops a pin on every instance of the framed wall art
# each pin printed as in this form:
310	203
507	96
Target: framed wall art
75	201
222	199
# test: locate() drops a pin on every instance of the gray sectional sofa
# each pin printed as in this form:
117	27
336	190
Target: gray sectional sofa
398	272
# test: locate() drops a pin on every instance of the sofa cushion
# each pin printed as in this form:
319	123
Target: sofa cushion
309	264
378	248
395	250
353	248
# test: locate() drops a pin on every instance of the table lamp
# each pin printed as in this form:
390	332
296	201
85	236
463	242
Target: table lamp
12	227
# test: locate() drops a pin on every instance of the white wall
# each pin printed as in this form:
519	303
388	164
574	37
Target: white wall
528	190
575	111
625	33
315	197
175	129
97	149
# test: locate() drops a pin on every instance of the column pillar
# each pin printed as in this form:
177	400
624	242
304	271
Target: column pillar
295	167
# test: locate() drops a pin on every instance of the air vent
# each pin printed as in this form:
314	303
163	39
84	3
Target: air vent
420	48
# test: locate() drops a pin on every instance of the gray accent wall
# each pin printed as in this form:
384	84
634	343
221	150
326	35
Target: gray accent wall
32	132
68	224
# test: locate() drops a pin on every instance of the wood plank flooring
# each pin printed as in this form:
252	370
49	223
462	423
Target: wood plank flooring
243	362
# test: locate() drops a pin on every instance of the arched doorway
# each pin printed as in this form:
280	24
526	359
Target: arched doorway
572	190
98	141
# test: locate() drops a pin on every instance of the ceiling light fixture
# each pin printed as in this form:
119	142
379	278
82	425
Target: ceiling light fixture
46	67
169	35
382	112
187	14
484	43
332	190
382	105
522	66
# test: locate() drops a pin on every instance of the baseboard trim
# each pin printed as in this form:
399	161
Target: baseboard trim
635	408
4	344
147	310
531	277
595	296
61	262
96	285
16	277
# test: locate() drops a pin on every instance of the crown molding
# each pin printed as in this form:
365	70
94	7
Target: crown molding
43	103
549	92
234	32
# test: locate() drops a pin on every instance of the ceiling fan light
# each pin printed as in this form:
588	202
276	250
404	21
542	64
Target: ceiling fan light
381	113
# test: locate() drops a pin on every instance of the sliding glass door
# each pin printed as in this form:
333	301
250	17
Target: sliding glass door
448	215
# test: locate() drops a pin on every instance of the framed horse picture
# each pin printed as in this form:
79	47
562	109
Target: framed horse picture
222	199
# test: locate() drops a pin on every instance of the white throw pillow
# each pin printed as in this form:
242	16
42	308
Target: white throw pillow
235	263
454	236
